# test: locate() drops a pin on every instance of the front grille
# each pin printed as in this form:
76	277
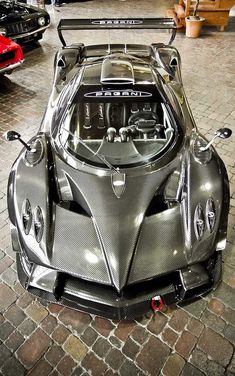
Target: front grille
163	285
7	56
22	27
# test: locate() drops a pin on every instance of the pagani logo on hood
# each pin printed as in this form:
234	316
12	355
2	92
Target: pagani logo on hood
117	22
118	93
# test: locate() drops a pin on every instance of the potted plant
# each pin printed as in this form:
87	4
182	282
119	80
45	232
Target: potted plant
194	23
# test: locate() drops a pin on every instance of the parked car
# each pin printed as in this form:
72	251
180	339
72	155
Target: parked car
11	55
21	22
118	203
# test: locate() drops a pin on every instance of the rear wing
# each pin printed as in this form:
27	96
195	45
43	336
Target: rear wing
116	23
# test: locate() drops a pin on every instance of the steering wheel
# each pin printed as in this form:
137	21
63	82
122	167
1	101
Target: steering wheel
143	121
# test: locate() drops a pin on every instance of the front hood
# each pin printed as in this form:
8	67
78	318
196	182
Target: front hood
118	221
9	10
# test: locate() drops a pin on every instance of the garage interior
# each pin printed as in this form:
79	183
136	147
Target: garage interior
192	339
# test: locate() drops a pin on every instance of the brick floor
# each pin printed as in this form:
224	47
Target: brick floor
39	338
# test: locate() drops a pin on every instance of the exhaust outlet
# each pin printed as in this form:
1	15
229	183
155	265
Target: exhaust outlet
157	303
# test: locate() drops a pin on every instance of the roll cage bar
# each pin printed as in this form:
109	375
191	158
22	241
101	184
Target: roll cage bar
116	23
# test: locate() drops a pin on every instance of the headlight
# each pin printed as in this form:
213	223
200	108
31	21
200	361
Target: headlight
3	31
26	216
38	224
41	21
199	222
210	214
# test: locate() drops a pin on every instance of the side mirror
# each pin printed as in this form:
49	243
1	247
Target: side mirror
13	135
221	133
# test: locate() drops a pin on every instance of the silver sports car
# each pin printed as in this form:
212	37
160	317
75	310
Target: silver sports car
118	204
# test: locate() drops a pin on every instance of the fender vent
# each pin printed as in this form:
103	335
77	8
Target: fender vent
202	157
35	155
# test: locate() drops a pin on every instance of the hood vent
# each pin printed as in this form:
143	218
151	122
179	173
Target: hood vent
35	155
77	203
158	202
157	205
117	71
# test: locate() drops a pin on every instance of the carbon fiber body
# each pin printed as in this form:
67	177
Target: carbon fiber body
143	215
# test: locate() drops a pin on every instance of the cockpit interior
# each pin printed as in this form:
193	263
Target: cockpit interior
124	131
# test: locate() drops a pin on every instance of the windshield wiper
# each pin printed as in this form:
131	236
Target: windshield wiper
95	154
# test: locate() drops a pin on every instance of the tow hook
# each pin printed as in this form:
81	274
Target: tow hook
157	303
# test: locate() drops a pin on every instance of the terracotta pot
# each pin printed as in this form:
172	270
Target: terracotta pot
193	26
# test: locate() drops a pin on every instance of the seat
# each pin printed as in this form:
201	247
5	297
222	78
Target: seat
215	12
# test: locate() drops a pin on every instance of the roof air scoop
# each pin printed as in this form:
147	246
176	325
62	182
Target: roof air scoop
117	71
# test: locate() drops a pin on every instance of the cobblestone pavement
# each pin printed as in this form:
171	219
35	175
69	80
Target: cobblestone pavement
38	338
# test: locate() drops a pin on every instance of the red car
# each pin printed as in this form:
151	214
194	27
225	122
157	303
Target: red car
11	55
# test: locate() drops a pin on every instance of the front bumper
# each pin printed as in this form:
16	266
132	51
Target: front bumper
29	35
11	67
132	302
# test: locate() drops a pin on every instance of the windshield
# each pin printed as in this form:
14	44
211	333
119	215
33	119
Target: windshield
125	127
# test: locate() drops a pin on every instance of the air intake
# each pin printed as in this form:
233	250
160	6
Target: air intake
117	71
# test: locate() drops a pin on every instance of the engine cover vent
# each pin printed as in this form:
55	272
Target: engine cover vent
115	71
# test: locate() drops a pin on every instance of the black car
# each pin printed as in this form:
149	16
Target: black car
21	22
118	203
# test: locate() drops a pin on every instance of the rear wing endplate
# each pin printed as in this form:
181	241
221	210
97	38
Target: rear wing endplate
116	23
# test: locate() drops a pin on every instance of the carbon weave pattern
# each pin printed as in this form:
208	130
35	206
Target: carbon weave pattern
118	221
76	247
160	248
